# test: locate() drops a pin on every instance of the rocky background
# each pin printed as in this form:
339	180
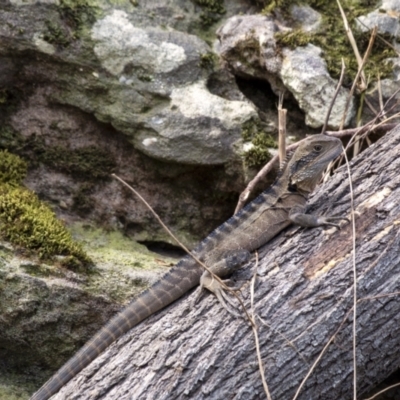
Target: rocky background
179	98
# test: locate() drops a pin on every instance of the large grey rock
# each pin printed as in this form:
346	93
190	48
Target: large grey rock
305	74
134	77
248	46
385	18
309	19
158	95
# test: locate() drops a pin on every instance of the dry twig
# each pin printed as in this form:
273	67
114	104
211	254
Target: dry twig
353	226
255	332
349	33
359	73
282	130
338	86
382	391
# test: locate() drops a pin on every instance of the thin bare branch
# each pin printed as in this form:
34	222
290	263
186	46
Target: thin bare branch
282	130
289	342
353	43
339	85
353	225
255	331
315	363
383	391
359	73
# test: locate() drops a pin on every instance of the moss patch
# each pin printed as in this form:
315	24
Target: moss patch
333	39
75	16
254	131
208	60
212	12
26	221
88	163
12	168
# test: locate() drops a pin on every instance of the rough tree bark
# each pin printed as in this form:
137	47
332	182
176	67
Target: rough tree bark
303	293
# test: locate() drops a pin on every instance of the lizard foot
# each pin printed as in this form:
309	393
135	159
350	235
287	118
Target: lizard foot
330	221
207	281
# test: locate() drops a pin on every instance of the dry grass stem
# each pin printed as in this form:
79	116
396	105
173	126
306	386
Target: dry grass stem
379	37
383	391
289	342
217	278
255	331
282	130
380	97
315	363
359	73
338	86
334	336
349	33
353	226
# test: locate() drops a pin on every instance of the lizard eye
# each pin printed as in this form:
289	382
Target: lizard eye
318	148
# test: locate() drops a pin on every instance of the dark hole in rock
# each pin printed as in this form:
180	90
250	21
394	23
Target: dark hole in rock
260	93
164	249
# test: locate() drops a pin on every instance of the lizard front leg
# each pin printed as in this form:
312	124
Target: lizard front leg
227	264
298	217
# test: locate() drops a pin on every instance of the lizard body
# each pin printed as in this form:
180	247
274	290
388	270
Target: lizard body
223	251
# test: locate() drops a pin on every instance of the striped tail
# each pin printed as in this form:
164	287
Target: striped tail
180	279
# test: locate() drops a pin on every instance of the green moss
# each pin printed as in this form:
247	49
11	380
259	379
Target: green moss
86	162
333	39
208	60
26	221
12	168
212	11
79	13
254	131
75	16
55	34
293	38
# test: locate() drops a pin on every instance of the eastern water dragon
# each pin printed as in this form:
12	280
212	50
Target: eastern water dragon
223	251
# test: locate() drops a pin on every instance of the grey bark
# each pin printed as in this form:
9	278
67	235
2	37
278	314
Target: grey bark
303	293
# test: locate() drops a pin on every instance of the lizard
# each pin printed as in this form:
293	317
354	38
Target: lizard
225	250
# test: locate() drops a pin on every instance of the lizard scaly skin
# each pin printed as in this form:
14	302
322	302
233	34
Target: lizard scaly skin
223	251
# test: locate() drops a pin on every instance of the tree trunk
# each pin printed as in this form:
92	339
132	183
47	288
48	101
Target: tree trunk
304	292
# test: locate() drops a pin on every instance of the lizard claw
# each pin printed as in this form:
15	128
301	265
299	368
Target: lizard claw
209	282
329	221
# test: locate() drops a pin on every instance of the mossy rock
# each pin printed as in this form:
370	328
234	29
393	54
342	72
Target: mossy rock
333	39
212	11
254	131
27	222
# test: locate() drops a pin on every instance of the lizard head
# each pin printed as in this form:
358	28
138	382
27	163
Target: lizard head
309	161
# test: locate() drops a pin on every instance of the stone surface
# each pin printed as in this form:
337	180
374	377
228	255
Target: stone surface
385	18
249	48
305	74
385	22
309	19
47	312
